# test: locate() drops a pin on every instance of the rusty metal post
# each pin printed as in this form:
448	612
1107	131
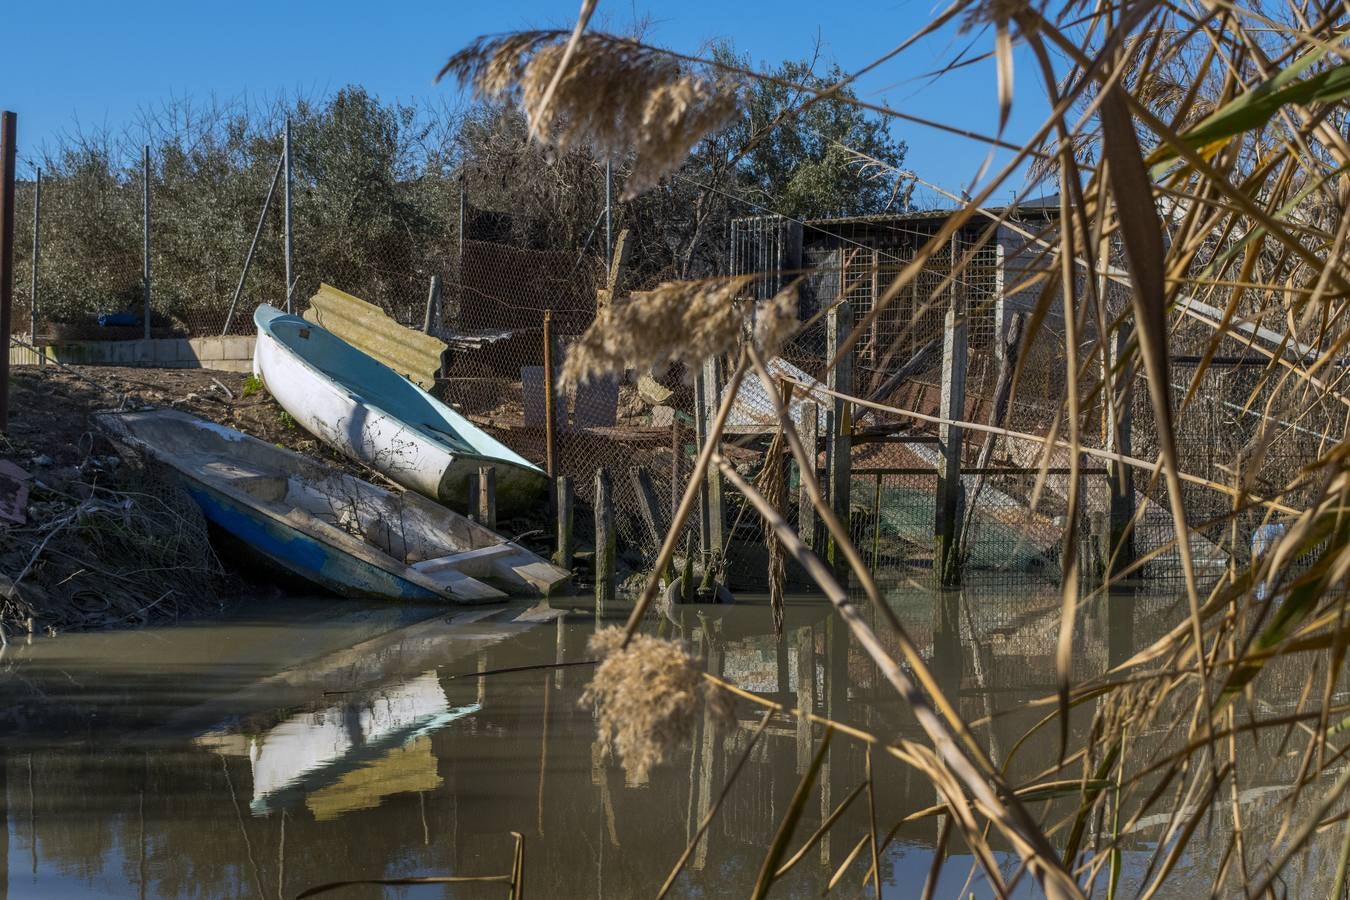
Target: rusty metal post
8	127
549	436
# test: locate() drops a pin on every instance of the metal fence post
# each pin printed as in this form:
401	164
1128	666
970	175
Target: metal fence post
433	304
253	246
145	233
286	195
549	410
459	253
33	288
609	206
8	127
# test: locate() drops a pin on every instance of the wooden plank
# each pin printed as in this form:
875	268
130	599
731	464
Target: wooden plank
648	511
369	329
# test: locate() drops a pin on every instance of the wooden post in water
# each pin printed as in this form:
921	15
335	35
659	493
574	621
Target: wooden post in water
487	497
839	440
564	548
1118	534
605	543
706	399
947	508
808	431
650	513
473	488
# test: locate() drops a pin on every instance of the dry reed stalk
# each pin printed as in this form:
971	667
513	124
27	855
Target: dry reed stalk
1224	134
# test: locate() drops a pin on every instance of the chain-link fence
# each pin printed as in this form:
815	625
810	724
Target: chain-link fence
388	246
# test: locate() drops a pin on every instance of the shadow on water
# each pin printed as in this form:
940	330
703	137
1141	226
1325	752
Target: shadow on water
283	748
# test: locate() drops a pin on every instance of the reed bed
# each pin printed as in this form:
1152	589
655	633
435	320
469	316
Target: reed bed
1200	157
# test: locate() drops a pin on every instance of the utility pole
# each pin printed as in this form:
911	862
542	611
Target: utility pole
286	153
8	127
145	234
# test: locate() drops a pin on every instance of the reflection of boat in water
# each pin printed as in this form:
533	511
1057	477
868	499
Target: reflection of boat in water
341	753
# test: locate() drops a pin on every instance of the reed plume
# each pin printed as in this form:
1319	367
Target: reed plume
616	97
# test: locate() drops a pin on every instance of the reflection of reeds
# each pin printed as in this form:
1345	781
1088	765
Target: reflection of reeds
1201	165
647	694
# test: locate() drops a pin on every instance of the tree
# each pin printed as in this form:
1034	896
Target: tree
786	154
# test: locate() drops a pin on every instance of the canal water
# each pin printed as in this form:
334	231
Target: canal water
296	743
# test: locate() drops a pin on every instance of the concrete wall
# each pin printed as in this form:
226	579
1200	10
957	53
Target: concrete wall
233	353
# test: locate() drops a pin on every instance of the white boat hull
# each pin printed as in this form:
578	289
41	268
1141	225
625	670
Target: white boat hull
360	427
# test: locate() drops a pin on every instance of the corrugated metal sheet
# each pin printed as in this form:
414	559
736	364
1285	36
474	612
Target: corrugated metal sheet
366	327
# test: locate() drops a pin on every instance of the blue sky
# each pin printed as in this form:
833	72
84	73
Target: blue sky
97	63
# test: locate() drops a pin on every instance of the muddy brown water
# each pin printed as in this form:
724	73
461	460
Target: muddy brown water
295	743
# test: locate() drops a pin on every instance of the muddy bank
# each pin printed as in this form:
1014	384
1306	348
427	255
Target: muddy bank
106	543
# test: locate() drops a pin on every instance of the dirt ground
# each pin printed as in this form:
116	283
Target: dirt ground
105	542
51	409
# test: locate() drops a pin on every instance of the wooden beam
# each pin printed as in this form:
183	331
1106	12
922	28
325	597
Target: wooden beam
564	548
839	445
947	509
706	399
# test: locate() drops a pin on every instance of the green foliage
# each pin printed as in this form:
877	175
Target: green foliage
252	385
375	199
804	157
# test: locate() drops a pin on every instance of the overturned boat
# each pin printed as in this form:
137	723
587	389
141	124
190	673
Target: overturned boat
369	412
333	529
